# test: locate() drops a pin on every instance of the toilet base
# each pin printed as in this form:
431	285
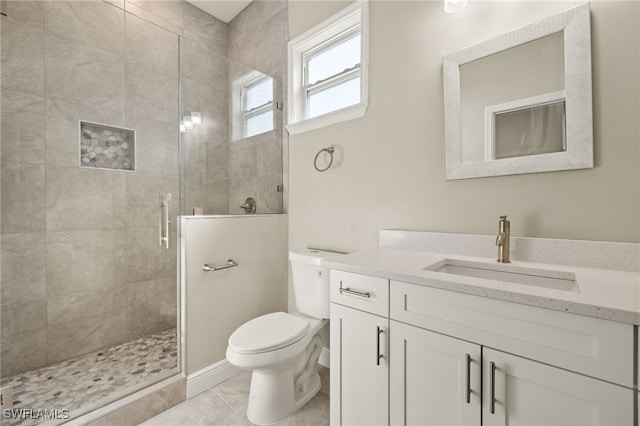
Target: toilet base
279	392
272	397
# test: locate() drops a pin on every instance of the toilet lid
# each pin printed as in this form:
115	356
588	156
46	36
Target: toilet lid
267	333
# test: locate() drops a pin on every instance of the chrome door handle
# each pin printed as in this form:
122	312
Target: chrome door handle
164	231
230	264
378	354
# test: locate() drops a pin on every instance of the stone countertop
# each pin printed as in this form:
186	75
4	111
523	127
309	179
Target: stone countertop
607	294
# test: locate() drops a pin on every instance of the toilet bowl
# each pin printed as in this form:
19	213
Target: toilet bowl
282	350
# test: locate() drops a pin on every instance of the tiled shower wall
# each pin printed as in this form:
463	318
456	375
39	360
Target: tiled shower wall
81	265
219	173
258	39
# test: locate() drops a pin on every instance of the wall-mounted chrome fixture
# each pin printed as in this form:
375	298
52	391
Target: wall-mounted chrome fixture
209	268
453	6
249	206
330	150
188	121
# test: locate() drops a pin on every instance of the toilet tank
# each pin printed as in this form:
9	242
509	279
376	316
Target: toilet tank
311	281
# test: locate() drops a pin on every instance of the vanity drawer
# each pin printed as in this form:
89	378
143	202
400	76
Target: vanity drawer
591	346
369	294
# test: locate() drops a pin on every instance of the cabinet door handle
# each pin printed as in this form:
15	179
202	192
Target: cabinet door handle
468	378
493	386
378	354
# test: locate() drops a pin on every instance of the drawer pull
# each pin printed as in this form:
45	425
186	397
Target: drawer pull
493	387
355	292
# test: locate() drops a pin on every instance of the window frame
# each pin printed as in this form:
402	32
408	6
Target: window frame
342	26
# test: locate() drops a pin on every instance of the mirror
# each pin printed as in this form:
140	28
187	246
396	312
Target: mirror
521	102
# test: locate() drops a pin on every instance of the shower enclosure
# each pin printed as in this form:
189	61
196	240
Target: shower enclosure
93	95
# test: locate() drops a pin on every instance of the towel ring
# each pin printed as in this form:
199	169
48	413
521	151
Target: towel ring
330	150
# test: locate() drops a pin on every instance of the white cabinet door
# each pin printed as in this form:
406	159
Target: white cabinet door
518	391
434	379
359	368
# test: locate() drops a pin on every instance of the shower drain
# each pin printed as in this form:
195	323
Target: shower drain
173	354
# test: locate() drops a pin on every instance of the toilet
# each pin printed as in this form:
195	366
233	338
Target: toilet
282	350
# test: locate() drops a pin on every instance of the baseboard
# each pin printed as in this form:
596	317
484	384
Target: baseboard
209	377
324	357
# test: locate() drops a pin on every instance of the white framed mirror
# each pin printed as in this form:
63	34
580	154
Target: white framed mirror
521	102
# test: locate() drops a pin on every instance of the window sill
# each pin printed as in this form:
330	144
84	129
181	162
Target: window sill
344	114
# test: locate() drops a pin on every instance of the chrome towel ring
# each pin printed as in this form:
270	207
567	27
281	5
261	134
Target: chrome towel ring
329	150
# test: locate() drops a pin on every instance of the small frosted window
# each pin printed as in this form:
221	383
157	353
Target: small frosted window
258	123
258	93
257	106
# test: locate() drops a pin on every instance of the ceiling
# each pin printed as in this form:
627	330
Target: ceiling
224	10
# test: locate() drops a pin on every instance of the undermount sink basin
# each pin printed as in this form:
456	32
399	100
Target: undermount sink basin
558	280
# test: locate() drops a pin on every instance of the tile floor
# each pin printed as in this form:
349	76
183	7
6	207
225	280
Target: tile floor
226	405
89	381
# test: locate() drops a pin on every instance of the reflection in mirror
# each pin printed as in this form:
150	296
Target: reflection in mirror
521	102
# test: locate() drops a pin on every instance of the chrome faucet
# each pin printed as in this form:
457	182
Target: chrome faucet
502	241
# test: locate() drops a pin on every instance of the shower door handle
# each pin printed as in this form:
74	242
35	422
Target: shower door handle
164	230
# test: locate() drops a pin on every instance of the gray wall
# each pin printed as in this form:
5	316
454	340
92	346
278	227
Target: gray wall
389	171
81	266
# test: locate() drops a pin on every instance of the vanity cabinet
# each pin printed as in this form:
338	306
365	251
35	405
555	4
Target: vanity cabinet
360	366
456	359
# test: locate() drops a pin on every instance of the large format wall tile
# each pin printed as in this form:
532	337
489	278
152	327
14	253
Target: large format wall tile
62	128
23	267
152	94
74	338
151	46
271	52
22	56
268	153
212	103
151	306
24	352
95	23
270	198
84	198
86	306
157	146
143	193
80	73
146	259
164	13
201	65
204	29
22	132
24	318
30	12
22	197
242	161
85	261
218	198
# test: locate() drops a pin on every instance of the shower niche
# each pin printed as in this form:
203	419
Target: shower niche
107	147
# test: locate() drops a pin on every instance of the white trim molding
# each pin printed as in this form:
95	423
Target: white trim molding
209	377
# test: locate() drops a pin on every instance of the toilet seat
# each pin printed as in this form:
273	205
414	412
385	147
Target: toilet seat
268	333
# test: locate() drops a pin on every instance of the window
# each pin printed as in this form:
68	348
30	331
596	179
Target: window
257	106
252	105
328	73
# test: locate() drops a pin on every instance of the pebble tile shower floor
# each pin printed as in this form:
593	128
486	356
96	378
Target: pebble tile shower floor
86	382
